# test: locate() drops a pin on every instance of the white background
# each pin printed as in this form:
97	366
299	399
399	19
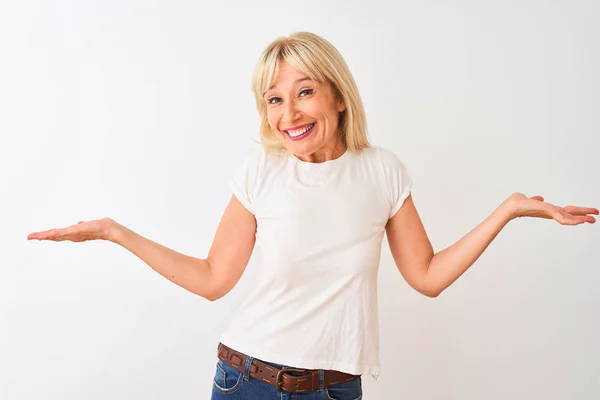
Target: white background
142	110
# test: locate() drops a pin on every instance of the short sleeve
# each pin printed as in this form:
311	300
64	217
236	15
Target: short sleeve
245	181
397	180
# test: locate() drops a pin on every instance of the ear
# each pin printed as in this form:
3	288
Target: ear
341	106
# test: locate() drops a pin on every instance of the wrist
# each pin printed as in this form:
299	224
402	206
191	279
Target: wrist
508	209
113	231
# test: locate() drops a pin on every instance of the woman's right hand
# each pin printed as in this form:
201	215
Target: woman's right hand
210	278
99	229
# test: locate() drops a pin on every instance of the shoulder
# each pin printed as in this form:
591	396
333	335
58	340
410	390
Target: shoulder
389	165
258	157
382	156
257	164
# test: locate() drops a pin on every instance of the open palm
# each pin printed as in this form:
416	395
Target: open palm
536	207
89	230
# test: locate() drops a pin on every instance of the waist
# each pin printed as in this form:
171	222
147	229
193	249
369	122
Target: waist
284	378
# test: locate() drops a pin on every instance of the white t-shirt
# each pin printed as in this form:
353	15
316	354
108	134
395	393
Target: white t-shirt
318	245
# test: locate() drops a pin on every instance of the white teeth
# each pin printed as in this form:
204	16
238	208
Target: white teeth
300	131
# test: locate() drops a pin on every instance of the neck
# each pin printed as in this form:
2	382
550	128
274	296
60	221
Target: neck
325	153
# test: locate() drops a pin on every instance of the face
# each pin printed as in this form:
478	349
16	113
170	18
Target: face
305	113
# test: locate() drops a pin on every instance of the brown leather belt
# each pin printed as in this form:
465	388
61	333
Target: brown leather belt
303	380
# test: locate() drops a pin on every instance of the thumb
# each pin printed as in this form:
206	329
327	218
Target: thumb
540	198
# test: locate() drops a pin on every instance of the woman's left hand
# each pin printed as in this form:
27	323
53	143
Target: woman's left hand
523	206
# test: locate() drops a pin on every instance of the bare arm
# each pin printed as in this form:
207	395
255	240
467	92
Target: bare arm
210	278
431	274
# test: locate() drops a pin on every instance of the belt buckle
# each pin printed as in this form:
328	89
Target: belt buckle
279	378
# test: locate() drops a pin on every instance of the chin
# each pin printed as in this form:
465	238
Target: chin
301	149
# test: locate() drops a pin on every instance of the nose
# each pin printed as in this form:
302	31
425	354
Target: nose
290	112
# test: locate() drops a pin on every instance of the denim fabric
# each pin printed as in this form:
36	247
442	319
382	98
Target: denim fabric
231	384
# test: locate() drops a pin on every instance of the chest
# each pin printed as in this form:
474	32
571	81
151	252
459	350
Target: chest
292	213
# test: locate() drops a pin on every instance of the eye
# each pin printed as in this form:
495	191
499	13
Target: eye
273	100
307	91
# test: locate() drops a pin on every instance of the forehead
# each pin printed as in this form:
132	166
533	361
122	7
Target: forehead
287	75
286	70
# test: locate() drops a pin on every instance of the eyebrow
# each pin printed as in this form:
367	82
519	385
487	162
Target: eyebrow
306	78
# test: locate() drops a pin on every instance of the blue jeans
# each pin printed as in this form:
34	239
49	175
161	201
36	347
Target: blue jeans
231	384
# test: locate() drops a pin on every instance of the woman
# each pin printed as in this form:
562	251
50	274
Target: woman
312	206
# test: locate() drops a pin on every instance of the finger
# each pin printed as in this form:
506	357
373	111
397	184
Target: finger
565	218
540	198
578	218
580	210
32	236
585	218
39	235
52	234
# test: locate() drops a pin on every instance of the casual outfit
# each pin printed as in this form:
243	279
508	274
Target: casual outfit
318	244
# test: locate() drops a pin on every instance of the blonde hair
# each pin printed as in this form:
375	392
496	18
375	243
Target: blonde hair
322	62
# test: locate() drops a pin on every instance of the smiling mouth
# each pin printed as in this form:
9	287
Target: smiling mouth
300	134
